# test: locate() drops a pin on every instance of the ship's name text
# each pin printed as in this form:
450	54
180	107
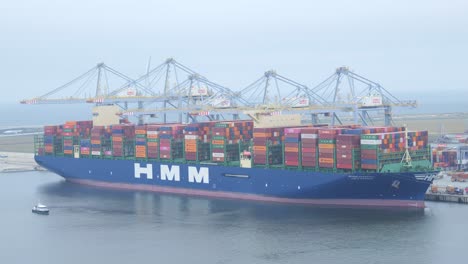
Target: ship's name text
172	173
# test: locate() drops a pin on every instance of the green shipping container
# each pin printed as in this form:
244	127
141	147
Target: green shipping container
327	141
369	136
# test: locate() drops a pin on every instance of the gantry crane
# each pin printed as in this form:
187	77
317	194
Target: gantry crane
195	95
372	97
94	83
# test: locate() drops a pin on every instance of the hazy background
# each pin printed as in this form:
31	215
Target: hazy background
416	49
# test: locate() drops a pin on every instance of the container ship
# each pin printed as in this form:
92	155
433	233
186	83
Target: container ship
307	164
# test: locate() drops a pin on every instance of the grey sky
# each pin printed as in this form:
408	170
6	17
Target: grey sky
416	46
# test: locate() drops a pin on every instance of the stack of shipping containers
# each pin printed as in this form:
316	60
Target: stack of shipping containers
225	139
347	151
140	142
267	146
52	140
373	144
85	147
171	142
292	147
123	140
442	157
309	143
152	141
68	137
345	148
327	147
196	143
387	147
98	137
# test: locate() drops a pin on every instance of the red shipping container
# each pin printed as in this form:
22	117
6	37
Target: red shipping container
326	155
292	163
326	165
309	156
291	145
309	150
344	152
344	166
372	156
288	155
326	150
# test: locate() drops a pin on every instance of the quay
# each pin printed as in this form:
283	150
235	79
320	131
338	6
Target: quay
444	197
18	162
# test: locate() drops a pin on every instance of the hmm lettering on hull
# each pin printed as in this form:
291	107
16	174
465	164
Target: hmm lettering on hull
172	173
148	170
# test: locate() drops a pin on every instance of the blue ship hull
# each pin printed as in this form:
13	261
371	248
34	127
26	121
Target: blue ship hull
259	184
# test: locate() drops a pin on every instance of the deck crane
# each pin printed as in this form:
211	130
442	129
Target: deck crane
373	97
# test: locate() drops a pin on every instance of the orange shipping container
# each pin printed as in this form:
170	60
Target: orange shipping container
152	144
291	149
140	132
325	160
259	148
261	135
217	142
189	149
192	148
326	146
117	139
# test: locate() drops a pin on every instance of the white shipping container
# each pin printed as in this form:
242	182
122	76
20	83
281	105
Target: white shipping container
313	136
152	132
218	155
96	153
191	137
371	141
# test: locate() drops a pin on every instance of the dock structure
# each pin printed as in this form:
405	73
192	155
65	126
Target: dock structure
18	162
444	197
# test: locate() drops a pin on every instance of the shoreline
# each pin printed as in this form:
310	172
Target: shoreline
11	162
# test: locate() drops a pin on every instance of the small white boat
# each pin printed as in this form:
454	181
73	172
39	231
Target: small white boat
40	209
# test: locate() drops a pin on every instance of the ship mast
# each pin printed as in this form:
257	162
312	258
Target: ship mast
406	159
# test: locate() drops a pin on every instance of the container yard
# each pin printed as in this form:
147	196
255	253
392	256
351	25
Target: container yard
450	152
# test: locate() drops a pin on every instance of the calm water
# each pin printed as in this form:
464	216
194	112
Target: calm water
90	225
